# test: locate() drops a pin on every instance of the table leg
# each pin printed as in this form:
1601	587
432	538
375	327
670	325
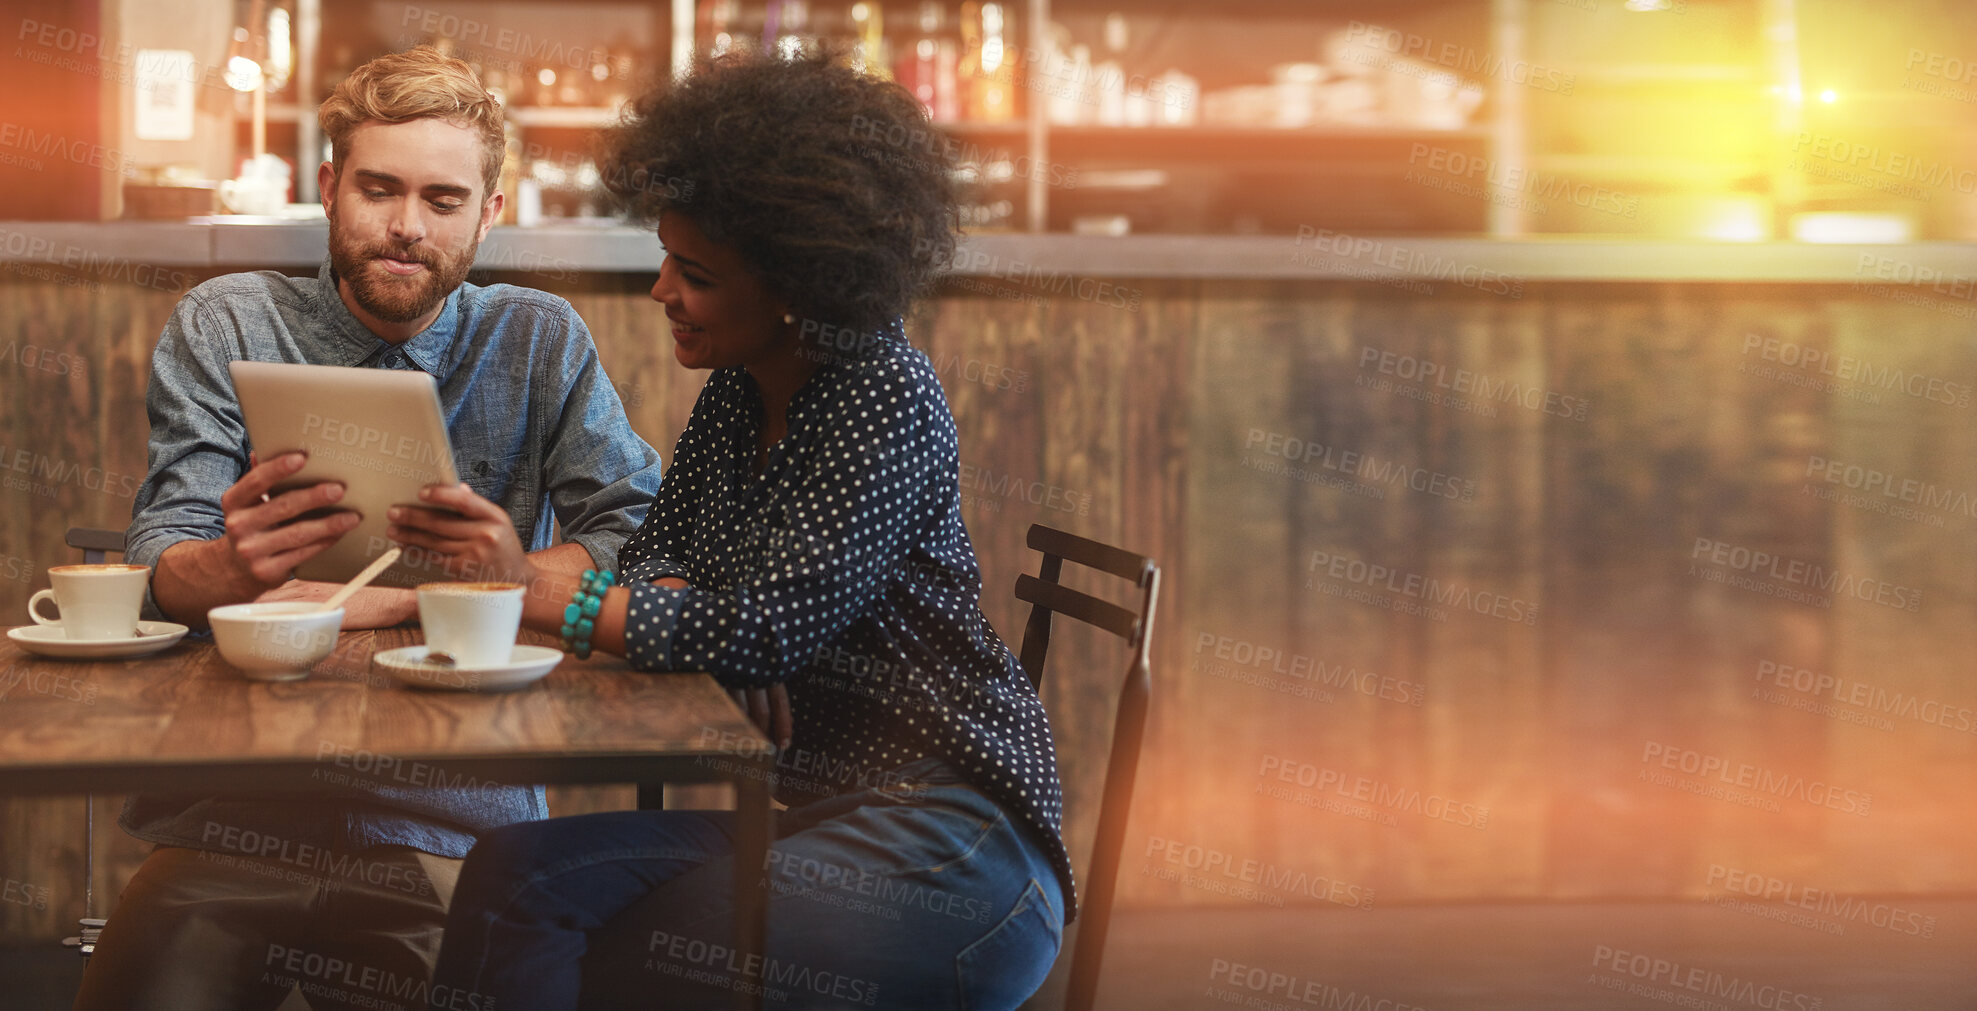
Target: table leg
752	814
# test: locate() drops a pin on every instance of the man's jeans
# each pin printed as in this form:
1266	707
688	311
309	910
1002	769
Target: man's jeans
201	929
919	893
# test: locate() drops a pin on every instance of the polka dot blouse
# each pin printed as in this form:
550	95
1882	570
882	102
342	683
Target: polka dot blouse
842	570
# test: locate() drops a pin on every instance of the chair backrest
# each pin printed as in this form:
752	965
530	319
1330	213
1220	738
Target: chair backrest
1049	596
95	543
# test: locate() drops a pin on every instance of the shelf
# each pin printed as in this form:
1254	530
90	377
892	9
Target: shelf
575	117
1660	171
1308	133
976	128
1328	150
1670	73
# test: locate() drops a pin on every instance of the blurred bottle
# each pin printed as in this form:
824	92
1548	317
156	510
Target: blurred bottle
991	85
869	52
573	86
787	29
622	66
1109	77
1177	98
928	65
715	23
970	68
1058	77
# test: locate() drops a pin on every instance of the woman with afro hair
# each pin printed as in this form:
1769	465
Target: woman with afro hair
806	548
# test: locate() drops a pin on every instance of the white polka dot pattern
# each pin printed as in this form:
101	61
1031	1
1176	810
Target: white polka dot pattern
844	572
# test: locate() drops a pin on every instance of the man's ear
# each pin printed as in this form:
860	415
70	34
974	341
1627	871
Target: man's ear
490	212
326	186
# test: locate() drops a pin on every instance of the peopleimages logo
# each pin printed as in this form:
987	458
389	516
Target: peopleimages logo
1462	59
1504	178
1259	986
1478	384
1247	656
1367	790
1403	260
1796	579
1877	700
1870	481
1697	980
1213	863
1857	370
1872	158
1364	468
1734	881
1413	585
1744	775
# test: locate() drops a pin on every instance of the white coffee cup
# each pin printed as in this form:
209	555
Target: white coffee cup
93	601
475	623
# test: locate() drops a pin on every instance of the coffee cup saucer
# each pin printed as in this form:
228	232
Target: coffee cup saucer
50	640
525	666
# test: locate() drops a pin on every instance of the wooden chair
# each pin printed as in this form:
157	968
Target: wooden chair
1135	625
96	544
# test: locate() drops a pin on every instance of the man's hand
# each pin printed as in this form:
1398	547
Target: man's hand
370	607
474	536
260	537
260	549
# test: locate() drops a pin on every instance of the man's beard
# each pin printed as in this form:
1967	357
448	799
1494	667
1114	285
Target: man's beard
387	296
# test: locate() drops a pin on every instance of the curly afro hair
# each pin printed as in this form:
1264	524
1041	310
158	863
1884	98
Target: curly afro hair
832	185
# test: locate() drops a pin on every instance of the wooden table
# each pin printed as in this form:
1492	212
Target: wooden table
186	718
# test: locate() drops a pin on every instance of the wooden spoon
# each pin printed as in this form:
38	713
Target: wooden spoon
371	571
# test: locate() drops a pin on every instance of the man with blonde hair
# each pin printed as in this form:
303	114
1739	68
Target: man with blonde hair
341	892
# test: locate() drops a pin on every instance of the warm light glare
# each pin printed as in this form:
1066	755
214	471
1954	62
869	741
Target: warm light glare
1852	228
243	74
1829	96
1735	225
1647	5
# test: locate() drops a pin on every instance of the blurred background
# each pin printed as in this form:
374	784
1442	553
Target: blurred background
1554	418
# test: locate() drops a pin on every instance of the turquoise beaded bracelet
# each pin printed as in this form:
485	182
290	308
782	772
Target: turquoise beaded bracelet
580	618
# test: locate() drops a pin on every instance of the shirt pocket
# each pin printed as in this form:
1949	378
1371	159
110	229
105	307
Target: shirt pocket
506	482
491	477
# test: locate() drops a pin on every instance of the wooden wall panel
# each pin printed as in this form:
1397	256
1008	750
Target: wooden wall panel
1449	756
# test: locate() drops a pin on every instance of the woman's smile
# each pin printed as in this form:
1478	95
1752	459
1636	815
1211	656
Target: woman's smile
685	331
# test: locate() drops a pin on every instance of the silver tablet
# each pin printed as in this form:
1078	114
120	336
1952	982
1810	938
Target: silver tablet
378	431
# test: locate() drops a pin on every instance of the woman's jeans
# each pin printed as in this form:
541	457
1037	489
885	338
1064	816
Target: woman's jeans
918	894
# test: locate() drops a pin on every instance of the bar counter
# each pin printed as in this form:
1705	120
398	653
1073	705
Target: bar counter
1547	446
1314	254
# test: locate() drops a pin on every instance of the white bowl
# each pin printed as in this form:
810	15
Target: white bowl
275	641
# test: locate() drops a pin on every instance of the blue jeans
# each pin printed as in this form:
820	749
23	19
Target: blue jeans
918	894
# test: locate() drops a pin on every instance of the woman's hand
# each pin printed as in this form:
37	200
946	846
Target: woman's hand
477	544
769	709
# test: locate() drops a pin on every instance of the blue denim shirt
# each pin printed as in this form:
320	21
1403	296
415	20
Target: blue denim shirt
536	427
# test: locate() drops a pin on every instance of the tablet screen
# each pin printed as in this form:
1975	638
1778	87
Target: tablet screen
378	431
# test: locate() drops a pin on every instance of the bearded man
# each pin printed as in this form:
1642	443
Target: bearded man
244	894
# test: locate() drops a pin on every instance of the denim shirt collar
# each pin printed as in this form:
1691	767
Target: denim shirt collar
430	349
